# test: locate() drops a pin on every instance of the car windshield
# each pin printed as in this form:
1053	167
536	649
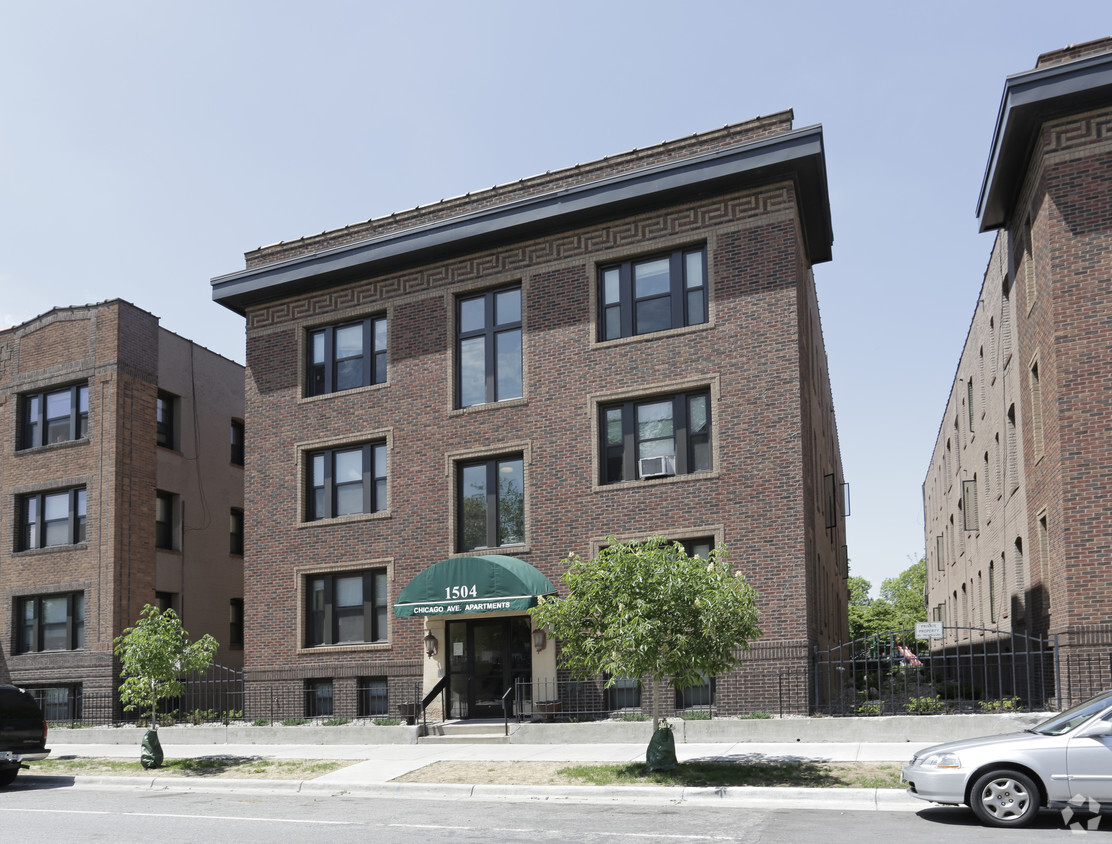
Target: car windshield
1066	721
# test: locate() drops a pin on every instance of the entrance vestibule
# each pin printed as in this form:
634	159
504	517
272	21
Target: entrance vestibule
486	656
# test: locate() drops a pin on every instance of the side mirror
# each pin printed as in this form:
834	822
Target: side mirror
1097	729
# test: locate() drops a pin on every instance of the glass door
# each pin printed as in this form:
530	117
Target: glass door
485	657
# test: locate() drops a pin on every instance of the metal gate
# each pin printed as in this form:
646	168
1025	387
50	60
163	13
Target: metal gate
971	669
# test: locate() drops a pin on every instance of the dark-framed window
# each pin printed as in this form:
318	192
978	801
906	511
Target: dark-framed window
625	693
165	517
346	608
373	695
54	416
653	294
488	347
165	413
49	519
51	622
165	600
237	442
654	437
346	356
701	695
319	701
58	703
235	531
346	480
235	623
490	498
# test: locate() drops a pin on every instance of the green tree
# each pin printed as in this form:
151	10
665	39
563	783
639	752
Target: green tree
155	653
902	602
647	609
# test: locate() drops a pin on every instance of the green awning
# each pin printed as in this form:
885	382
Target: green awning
491	583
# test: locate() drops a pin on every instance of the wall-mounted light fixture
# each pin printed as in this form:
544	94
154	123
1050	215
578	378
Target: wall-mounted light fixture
540	639
431	645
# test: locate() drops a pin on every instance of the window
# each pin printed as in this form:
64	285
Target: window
969	402
51	623
345	481
1036	411
165	600
488	347
491	503
625	693
653	294
701	695
373	697
165	412
700	547
235	532
829	494
667	435
992	591
318	698
235	623
940	553
58	703
347	608
347	356
237	442
969	503
50	519
54	417
165	517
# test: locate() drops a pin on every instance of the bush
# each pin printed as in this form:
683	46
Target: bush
696	715
925	705
1007	704
260	722
386	722
756	716
295	722
874	708
337	722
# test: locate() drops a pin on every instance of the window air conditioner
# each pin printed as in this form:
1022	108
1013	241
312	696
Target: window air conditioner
657	467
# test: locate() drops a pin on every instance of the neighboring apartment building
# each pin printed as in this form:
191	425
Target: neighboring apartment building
121	472
454	397
1017	499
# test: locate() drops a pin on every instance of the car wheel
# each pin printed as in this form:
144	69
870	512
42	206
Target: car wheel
1004	798
7	776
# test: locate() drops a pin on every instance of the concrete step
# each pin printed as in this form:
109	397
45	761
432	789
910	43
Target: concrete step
468	732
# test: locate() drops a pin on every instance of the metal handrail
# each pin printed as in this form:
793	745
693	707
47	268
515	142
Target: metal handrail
440	686
505	713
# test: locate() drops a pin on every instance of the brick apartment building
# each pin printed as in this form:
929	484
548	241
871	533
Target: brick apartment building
1017	498
121	472
456	396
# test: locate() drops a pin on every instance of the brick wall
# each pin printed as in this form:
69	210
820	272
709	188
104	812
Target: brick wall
749	355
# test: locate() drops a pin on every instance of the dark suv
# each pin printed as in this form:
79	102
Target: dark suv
22	732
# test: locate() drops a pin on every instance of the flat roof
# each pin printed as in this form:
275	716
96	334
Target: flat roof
1030	99
797	155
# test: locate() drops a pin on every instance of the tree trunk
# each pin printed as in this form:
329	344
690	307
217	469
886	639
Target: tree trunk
656	705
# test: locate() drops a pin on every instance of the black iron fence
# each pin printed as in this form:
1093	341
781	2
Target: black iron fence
972	669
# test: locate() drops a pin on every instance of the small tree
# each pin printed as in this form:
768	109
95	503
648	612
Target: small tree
154	653
647	609
900	605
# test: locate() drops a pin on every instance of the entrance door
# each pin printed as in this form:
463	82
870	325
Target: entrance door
486	657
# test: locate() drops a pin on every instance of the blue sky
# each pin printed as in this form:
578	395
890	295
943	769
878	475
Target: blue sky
144	147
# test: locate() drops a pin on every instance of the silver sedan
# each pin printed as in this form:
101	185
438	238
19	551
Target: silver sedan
1006	779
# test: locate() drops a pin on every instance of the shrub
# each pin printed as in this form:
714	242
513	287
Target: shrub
756	716
337	722
386	722
874	708
1007	704
295	722
696	715
925	705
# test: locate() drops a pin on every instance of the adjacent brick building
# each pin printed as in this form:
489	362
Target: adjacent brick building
475	388
1017	514
121	473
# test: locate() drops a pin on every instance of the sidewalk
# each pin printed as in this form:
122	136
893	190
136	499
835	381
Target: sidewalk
379	764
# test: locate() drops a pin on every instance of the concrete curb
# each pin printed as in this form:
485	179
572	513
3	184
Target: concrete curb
845	799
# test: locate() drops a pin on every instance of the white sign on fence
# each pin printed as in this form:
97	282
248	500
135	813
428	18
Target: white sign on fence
928	630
